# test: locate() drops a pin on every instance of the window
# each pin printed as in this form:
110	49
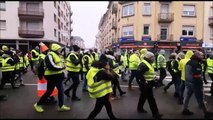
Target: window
188	10
54	17
188	31
2	24
58	11
146	29
59	39
146	9
2	6
55	33
128	10
55	4
211	32
127	31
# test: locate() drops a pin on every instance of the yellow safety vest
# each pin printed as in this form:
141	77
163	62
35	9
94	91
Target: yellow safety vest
58	60
37	54
70	66
42	56
125	59
96	56
158	61
97	89
149	75
26	60
89	62
22	64
181	67
142	57
134	62
209	65
116	70
7	67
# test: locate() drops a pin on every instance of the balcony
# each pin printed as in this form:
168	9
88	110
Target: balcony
24	13
211	21
123	2
26	33
165	37
71	13
114	8
165	17
114	25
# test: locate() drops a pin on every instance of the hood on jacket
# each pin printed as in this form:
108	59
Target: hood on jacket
143	51
189	54
162	52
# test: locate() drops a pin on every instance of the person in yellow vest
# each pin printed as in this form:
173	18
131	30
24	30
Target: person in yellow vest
8	67
171	70
95	54
134	62
99	83
73	66
114	68
91	55
35	54
181	67
124	58
54	74
42	82
22	66
142	53
86	61
146	75
177	73
210	71
161	65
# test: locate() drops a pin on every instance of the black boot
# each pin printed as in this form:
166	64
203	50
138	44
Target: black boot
187	112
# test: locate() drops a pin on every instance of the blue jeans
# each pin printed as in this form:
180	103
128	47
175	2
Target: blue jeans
181	90
198	91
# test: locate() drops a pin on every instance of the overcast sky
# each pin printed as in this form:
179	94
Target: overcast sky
86	17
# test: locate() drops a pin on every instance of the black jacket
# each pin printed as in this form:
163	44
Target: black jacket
193	72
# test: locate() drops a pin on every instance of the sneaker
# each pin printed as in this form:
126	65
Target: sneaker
38	108
187	112
76	98
63	108
157	116
142	111
122	93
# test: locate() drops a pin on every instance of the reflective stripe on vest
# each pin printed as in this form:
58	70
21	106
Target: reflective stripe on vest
37	54
22	64
116	70
158	61
89	62
149	75
96	56
70	66
97	89
7	67
210	65
42	87
58	61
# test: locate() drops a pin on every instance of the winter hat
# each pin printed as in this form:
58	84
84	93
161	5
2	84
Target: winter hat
76	48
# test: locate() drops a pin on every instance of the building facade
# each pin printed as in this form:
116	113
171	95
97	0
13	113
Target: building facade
23	24
145	24
77	40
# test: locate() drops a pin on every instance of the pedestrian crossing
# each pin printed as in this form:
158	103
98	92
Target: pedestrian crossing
206	87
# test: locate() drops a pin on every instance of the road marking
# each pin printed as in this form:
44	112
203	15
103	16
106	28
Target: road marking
24	84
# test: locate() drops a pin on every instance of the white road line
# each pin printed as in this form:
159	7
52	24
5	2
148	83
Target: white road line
24	84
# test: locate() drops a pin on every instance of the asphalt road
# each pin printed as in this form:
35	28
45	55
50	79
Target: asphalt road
20	104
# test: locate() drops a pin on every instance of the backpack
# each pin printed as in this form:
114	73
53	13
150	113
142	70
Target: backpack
40	69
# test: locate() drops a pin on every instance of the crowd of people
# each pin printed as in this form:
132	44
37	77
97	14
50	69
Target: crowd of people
102	74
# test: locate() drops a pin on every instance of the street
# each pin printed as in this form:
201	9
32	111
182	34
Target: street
20	103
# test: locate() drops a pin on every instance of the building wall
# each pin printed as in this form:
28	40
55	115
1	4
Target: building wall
208	12
48	23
